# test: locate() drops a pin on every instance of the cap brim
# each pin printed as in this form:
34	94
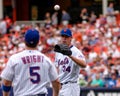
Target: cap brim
65	35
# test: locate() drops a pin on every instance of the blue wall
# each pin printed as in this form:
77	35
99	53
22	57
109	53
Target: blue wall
89	92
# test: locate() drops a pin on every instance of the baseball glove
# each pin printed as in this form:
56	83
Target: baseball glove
62	48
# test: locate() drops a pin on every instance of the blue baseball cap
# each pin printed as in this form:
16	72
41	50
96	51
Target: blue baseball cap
66	32
32	36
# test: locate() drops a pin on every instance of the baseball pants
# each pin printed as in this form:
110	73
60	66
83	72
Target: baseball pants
70	89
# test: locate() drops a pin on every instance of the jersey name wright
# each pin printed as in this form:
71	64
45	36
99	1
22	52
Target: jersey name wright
32	59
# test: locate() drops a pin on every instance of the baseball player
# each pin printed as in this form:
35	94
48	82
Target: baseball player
29	71
68	63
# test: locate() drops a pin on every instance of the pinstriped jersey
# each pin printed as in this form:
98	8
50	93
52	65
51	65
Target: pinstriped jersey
68	69
30	72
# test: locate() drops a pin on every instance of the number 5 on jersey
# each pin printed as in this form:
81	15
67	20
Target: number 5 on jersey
34	75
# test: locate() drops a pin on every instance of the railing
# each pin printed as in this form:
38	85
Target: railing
42	23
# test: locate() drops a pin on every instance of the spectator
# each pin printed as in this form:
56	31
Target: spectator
111	19
118	82
84	17
8	21
3	27
65	18
101	21
97	82
92	18
81	81
54	19
111	83
47	18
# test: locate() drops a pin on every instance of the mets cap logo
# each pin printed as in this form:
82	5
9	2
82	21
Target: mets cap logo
65	30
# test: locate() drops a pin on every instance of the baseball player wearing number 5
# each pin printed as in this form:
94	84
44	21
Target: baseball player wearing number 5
29	71
68	60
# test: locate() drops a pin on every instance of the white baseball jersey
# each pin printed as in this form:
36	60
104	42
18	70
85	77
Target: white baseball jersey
30	72
68	69
69	72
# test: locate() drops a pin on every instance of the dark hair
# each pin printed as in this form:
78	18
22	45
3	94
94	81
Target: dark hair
31	45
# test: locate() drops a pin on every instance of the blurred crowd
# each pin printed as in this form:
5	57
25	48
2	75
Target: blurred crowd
98	37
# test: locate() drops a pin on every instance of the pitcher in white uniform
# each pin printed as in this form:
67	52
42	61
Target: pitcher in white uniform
29	71
69	66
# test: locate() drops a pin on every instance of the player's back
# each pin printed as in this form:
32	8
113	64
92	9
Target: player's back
31	72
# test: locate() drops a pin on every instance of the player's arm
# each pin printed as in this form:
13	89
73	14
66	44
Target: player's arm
56	63
6	87
53	74
78	61
56	87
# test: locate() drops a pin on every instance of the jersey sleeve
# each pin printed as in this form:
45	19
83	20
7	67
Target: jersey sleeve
53	75
57	57
8	72
81	56
78	54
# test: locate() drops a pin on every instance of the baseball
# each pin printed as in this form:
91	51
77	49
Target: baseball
56	7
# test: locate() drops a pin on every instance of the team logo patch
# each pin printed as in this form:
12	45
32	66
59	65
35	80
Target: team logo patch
65	30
